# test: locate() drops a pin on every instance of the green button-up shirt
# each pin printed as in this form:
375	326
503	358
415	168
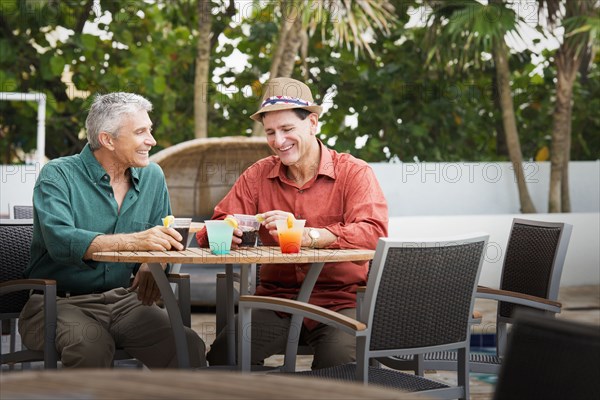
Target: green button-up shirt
73	203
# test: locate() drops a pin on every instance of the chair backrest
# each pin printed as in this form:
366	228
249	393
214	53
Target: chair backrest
22	212
534	260
421	294
549	358
15	244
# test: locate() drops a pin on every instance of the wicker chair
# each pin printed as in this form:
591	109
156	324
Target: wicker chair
16	236
551	359
22	212
200	172
418	299
15	239
531	273
9	325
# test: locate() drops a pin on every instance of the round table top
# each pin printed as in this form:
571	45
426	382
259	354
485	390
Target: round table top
171	384
244	255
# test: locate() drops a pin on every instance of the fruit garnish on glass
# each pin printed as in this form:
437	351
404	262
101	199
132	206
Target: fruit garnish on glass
168	221
232	221
290	221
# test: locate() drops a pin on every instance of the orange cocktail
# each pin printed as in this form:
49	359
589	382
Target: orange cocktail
290	238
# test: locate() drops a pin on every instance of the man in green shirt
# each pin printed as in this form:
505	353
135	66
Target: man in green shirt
107	198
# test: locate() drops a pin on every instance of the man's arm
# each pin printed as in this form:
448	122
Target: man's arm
365	213
72	243
157	238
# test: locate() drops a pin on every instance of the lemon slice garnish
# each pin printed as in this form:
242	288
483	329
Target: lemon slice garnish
168	221
232	221
290	221
259	218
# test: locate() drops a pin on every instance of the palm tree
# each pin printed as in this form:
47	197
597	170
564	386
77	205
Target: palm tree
207	40
469	28
576	44
202	72
348	22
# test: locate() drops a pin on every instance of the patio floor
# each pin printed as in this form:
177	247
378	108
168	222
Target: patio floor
580	303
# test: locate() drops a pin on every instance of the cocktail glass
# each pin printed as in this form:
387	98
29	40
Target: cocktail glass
220	234
182	225
290	239
249	226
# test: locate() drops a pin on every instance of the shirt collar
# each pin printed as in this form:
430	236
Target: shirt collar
98	173
325	165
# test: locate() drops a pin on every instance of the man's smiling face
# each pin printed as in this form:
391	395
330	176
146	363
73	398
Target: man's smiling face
289	136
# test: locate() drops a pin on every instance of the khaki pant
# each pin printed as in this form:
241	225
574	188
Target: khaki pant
269	336
90	327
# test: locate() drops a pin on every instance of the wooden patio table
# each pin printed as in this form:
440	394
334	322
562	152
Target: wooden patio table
246	257
126	384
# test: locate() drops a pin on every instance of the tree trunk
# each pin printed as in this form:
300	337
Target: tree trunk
566	67
568	61
291	46
284	59
501	148
201	77
500	51
565	197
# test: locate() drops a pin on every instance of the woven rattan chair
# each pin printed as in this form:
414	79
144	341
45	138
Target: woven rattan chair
419	298
23	212
15	240
535	255
200	172
18	212
551	359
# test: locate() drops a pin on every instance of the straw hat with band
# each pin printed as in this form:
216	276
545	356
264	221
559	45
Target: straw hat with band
286	94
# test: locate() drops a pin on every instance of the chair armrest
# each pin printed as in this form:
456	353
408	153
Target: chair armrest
316	313
48	286
25	284
540	303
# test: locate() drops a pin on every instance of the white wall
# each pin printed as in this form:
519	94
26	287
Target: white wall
582	264
16	185
417	189
480	188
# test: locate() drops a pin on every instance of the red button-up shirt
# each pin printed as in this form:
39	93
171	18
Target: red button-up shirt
344	198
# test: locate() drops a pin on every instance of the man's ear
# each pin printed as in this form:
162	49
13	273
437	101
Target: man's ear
314	123
106	140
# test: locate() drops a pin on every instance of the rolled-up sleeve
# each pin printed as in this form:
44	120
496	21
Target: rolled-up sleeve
65	243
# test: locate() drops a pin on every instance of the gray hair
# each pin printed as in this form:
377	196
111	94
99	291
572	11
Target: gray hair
107	111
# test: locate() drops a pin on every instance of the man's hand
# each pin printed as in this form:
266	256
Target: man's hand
147	289
269	222
236	240
158	238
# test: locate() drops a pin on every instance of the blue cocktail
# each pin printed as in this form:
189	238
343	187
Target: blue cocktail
220	234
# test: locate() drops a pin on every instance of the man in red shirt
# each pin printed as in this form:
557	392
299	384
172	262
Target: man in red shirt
344	208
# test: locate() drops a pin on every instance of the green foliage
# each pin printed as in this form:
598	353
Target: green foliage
146	48
408	101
